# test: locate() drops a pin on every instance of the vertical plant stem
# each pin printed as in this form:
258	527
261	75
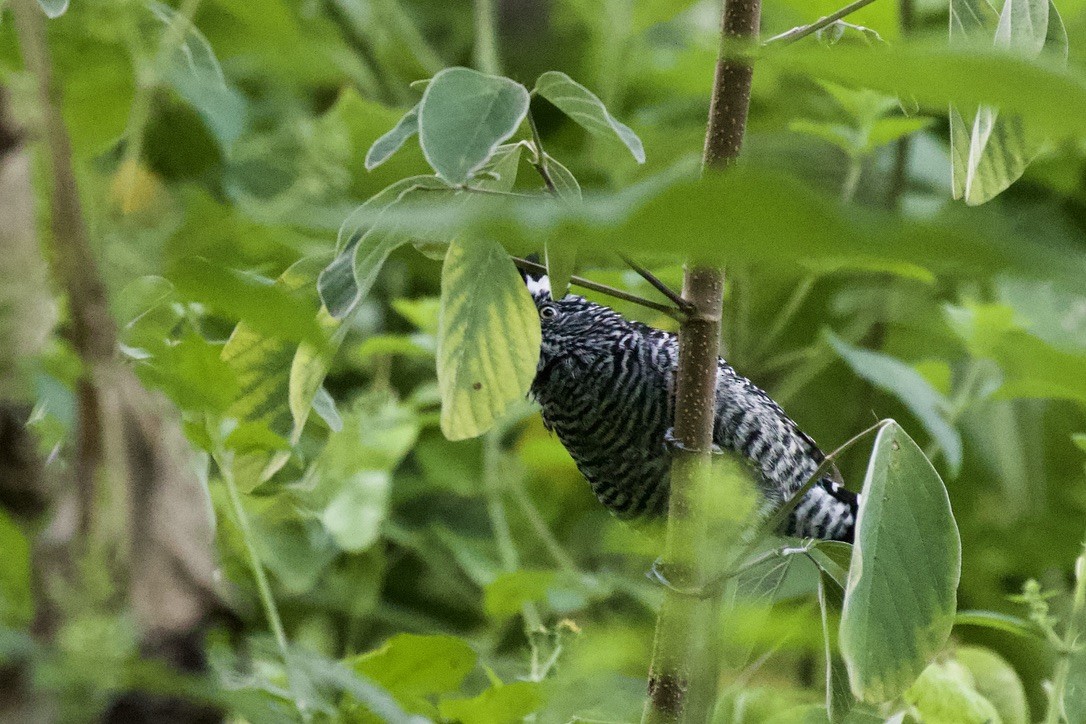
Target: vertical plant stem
539	525
685	664
92	332
271	611
1070	640
486	38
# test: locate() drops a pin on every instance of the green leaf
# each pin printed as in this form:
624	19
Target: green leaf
1079	438
307	372
945	694
355	515
464	116
505	704
1074	696
838	697
915	392
565	183
351	478
509	591
263	366
500	172
16	601
364	245
996	681
1032	368
1048	310
992	152
772	218
1049	98
902	584
581	105
194	72
488	338
411	666
271	309
391	142
888	130
561	261
325	407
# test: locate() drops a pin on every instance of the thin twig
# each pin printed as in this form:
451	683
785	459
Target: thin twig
676	298
676	314
790	36
540	162
535	519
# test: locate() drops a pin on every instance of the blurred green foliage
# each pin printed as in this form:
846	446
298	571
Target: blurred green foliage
479	580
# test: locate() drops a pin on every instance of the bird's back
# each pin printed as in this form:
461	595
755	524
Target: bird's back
611	405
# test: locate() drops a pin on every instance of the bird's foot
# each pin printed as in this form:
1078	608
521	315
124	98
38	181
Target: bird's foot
673	444
670	576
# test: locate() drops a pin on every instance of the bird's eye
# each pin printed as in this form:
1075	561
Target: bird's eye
548	312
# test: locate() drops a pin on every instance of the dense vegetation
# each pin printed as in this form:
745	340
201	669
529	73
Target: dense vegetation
259	259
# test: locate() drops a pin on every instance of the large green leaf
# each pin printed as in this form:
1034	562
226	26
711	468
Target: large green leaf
464	116
488	338
1050	98
586	109
902	584
411	666
915	392
747	214
263	366
1074	696
838	697
992	151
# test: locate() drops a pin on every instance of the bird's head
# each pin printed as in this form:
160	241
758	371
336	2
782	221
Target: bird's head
569	325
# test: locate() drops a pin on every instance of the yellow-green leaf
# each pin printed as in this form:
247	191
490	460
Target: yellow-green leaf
488	337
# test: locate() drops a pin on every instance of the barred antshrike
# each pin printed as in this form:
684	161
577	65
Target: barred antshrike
606	386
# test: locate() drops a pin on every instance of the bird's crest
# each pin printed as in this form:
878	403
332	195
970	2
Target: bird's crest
539	284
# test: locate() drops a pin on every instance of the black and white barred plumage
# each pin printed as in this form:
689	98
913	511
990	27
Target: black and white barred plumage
606	387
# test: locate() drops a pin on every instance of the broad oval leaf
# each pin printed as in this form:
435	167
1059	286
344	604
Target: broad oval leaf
582	105
391	142
464	116
902	584
488	337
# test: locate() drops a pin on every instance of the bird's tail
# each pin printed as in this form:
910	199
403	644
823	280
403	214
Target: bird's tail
827	511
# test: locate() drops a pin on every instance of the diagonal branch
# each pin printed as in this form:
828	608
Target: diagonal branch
676	314
676	298
790	36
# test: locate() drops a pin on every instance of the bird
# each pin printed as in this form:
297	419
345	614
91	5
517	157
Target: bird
606	387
